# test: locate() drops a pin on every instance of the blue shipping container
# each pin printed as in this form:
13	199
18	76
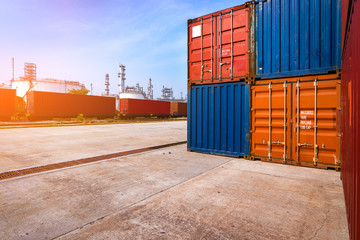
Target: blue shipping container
218	119
297	37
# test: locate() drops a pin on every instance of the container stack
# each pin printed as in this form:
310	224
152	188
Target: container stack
220	62
285	58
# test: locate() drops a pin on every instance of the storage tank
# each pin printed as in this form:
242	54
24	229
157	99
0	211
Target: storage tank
131	95
45	85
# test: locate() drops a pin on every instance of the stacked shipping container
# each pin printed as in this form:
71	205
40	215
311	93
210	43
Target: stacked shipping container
295	110
220	53
350	168
290	79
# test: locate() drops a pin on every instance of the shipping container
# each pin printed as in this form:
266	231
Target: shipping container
344	19
350	167
218	119
47	105
297	121
143	108
221	46
178	109
7	103
297	37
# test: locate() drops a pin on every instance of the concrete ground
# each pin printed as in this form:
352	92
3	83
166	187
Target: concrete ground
26	147
172	194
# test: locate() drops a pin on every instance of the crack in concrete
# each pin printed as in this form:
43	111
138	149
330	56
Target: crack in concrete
322	225
141	200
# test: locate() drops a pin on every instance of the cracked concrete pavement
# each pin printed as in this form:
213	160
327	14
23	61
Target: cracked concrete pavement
169	194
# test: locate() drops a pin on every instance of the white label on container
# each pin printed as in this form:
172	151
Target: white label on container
311	112
196	31
225	52
305	122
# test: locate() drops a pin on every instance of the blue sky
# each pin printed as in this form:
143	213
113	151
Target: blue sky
82	40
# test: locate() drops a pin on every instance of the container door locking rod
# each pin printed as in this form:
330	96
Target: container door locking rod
201	51
220	49
269	142
298	121
232	47
285	111
316	147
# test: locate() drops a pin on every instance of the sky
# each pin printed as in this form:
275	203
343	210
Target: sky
82	40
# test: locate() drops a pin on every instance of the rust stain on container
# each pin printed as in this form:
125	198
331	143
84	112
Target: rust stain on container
220	46
296	121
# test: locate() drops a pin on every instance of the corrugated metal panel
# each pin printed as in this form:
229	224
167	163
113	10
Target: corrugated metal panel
344	19
220	46
178	109
284	116
7	103
143	107
47	105
218	119
297	37
350	169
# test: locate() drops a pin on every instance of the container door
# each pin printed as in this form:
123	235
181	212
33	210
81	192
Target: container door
233	45
316	114
202	35
218	46
271	121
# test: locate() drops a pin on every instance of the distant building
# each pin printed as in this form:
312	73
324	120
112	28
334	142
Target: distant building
44	84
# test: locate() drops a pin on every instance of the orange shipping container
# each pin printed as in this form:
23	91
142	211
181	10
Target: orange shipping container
178	109
7	103
47	105
297	121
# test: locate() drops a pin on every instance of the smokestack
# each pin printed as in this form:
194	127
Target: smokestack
13	69
122	78
107	84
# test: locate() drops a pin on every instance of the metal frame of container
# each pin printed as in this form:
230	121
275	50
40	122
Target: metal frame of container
221	46
7	103
218	119
350	128
312	45
297	121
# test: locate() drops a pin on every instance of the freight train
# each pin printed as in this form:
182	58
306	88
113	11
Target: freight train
131	108
49	105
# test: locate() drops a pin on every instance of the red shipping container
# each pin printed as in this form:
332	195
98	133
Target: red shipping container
178	109
220	46
47	105
143	108
350	169
344	19
7	103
